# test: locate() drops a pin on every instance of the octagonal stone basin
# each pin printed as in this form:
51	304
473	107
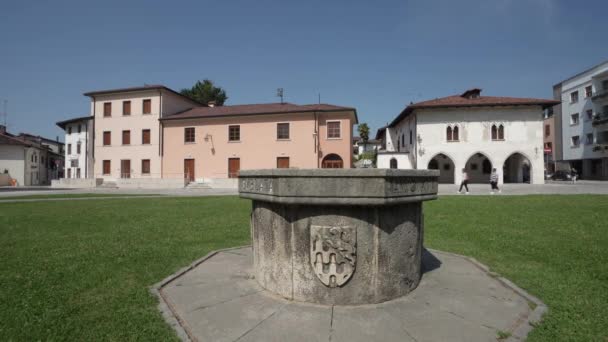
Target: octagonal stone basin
338	236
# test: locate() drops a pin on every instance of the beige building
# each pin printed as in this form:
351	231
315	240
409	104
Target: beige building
127	133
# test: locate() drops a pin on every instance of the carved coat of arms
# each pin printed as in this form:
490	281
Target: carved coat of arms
333	253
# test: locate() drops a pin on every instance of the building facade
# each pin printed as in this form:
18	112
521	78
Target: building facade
127	140
584	122
27	160
549	142
78	147
471	132
210	144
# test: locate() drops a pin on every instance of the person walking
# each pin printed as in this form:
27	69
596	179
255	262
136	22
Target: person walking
573	175
465	182
494	181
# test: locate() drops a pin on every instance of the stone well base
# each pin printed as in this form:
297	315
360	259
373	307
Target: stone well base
217	299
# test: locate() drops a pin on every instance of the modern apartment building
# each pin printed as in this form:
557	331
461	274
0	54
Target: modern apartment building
583	116
128	137
549	141
472	132
209	144
79	147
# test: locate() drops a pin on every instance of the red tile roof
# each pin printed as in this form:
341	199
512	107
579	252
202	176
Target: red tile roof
466	100
256	109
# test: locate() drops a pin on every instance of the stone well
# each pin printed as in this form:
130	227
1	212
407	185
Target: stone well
338	236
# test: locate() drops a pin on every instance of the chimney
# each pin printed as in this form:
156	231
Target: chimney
2	129
211	104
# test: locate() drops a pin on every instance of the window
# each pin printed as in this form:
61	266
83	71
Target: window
107	109
189	135
411	139
333	130
547	130
574	97
498	132
282	162
126	107
574	119
147	106
589	114
107	138
403	139
145	166
234	133
588	91
69	173
589	140
126	137
106	167
393	163
78	173
79	128
69	149
78	148
145	136
69	129
452	133
74	163
575	141
282	131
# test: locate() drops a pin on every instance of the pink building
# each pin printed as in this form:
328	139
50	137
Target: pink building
208	144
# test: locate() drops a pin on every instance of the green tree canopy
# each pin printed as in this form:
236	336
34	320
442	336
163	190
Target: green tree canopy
206	91
363	132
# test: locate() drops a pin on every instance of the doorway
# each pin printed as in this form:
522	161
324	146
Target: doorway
234	166
125	168
282	162
189	170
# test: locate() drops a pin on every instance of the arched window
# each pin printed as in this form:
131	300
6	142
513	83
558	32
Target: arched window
494	132
448	133
393	163
455	133
501	132
398	145
403	139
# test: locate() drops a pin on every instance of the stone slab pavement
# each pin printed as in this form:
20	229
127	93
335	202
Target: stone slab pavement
458	299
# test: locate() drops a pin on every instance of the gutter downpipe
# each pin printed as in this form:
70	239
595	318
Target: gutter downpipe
160	131
316	133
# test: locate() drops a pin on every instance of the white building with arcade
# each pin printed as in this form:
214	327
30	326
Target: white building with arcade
472	132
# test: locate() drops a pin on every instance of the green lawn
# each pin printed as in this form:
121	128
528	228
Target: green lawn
51	196
80	270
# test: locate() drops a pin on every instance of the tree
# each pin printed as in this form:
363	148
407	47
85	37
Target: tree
205	92
363	134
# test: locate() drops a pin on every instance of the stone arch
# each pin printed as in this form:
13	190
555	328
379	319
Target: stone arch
332	161
477	167
517	168
445	165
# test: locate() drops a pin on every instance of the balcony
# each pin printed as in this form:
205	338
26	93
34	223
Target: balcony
599	94
599	118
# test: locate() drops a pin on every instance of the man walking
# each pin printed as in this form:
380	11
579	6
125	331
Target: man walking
465	182
494	181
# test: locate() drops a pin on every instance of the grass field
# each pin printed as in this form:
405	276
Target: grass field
80	270
68	195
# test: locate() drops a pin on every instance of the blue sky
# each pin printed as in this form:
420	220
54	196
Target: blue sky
376	56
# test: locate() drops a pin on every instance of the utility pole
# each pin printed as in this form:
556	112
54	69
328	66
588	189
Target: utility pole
4	112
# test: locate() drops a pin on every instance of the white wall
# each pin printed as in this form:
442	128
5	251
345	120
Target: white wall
403	160
12	159
523	134
85	140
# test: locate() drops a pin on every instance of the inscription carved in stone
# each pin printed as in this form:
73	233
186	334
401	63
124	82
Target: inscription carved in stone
333	253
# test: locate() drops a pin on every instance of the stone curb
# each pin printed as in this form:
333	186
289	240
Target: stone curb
521	331
164	305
